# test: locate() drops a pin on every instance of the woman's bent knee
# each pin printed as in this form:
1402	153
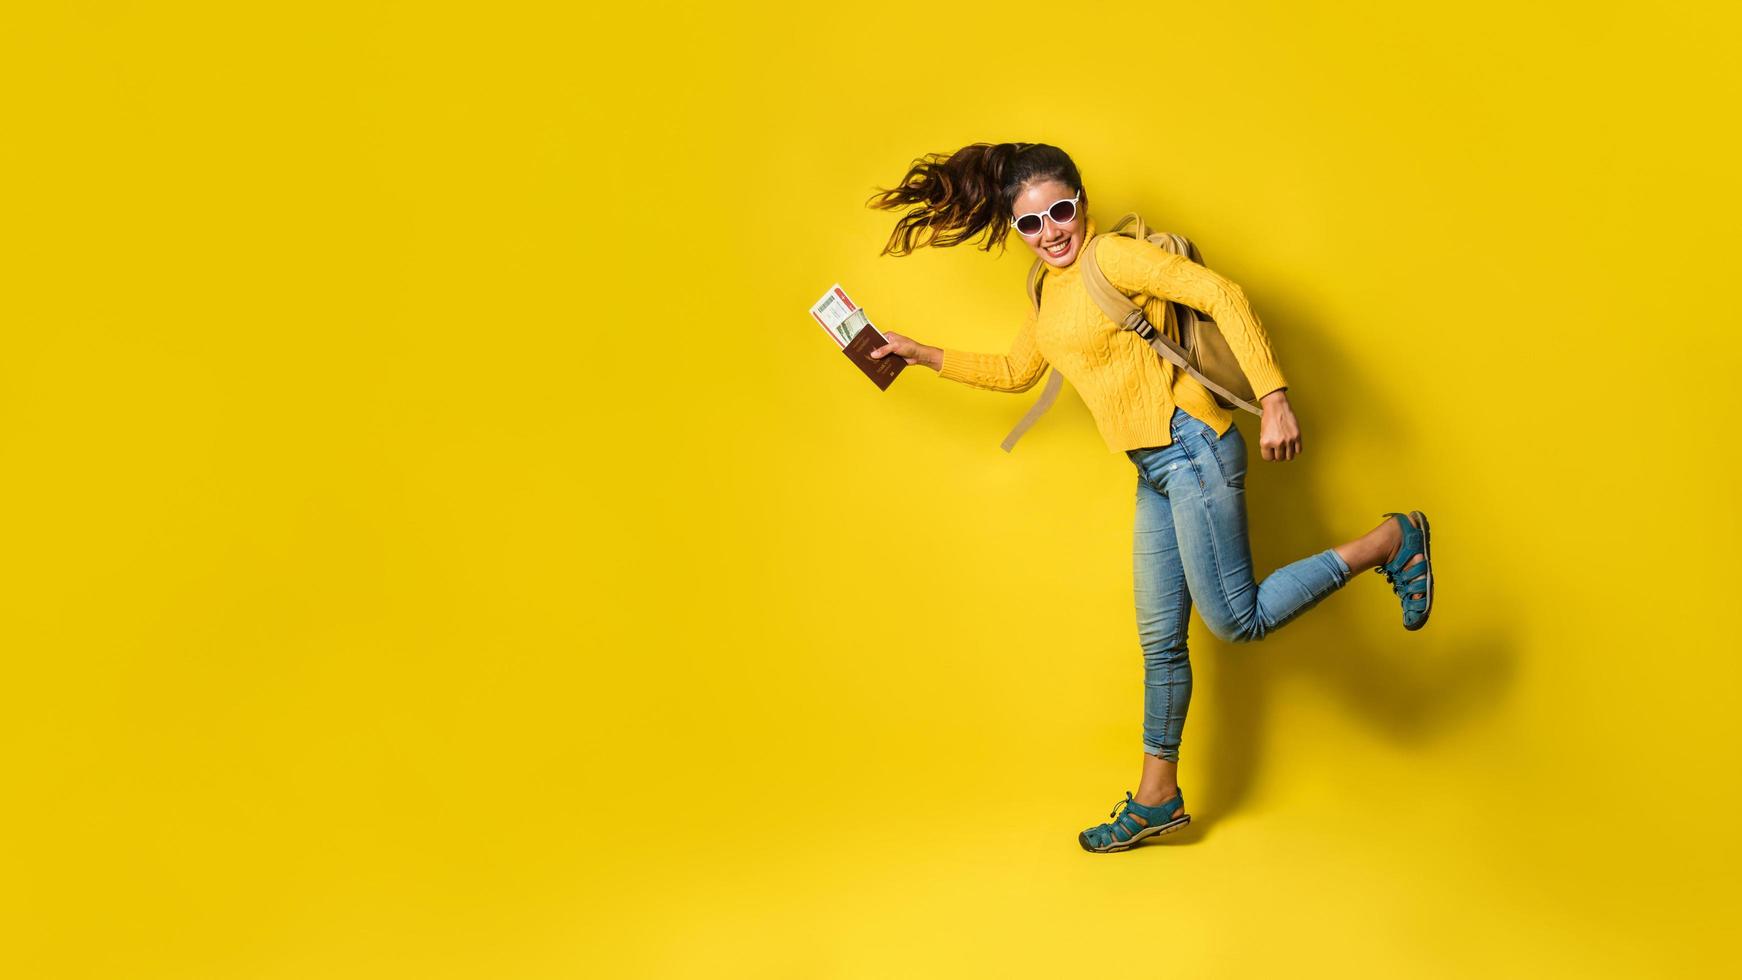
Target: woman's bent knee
1249	630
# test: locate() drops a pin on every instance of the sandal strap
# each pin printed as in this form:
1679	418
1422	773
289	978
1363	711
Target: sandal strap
1407	590
1123	818
1413	573
1162	812
1159	813
1406	554
1400	566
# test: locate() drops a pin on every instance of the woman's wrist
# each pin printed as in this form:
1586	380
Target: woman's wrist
1277	397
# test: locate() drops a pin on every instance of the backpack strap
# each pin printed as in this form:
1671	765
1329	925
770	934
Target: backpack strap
1054	380
1131	317
1141	231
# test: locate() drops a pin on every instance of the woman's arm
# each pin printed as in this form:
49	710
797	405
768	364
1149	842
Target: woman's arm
1140	266
1015	371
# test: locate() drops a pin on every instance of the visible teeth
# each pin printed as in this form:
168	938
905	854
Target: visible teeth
1060	250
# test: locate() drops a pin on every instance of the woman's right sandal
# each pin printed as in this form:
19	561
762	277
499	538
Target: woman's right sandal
1419	578
1125	832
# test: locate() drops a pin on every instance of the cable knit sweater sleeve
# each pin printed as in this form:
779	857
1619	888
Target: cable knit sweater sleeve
1134	265
1016	371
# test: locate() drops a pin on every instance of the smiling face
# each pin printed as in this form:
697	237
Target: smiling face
1057	245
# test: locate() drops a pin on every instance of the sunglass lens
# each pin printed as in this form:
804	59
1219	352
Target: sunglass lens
1028	224
1063	211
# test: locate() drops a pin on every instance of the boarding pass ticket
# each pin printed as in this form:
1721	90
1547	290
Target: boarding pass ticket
838	315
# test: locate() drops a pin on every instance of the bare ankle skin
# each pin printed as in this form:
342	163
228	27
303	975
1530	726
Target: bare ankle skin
1374	548
1160	782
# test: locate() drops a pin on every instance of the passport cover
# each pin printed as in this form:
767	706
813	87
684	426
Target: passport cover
881	370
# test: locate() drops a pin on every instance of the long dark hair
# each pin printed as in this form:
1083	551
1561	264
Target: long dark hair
951	197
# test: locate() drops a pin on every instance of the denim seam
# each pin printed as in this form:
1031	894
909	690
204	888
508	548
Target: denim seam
1167	710
1183	600
1143	479
1216	560
1221	464
1197	471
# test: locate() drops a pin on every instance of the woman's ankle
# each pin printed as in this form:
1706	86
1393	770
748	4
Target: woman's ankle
1372	549
1156	797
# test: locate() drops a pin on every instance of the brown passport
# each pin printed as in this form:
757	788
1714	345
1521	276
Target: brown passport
881	370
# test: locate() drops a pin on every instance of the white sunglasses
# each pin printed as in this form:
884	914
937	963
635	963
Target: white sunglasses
1061	211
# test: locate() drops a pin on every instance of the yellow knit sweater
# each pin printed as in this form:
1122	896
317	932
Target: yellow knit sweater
1130	389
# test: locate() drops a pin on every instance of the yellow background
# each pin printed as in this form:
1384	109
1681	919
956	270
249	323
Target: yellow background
439	544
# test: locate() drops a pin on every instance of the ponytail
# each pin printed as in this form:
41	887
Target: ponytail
950	198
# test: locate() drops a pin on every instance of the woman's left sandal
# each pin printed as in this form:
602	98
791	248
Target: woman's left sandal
1412	584
1126	832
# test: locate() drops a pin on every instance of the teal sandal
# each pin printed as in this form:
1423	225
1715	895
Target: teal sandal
1125	831
1406	582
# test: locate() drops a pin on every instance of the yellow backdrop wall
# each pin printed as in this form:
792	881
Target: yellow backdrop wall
439	544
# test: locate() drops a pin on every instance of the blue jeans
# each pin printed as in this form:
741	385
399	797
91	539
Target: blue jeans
1191	543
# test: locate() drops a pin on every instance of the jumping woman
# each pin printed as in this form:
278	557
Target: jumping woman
1190	542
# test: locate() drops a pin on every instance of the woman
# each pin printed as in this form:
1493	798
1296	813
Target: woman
1190	542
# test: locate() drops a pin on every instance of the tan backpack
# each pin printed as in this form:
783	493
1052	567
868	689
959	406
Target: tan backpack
1200	350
